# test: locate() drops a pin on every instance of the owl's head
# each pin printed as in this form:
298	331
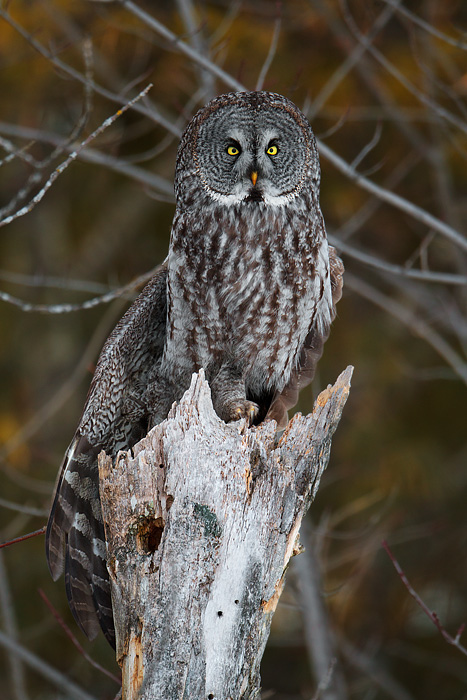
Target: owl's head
248	147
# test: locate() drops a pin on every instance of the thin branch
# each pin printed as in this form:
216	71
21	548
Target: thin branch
440	172
90	155
87	107
455	641
28	307
409	319
180	45
335	127
187	12
50	282
20	153
390	109
149	112
19	508
395	200
22	194
368	147
366	211
58	171
40	166
421	252
41	531
399	270
44	669
400	77
76	643
323	685
350	62
426	64
270	57
458	43
226	21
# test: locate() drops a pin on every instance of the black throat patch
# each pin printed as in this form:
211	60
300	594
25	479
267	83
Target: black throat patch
255	195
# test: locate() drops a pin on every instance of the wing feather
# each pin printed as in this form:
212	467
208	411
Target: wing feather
75	538
311	351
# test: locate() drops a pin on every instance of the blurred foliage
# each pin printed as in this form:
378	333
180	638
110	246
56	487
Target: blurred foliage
398	466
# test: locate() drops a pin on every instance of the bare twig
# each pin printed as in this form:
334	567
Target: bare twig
408	318
90	155
366	211
40	166
73	639
19	508
180	45
58	171
368	147
395	200
458	43
455	641
50	282
187	12
13	152
399	270
390	109
377	673
270	57
41	531
323	686
148	111
400	77
350	62
54	403
81	306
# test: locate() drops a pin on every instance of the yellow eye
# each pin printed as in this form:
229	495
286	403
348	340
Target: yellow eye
272	151
233	151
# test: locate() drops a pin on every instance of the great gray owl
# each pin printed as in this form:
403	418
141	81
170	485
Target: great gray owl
248	292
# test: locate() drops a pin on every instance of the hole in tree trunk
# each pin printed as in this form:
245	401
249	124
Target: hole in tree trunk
149	534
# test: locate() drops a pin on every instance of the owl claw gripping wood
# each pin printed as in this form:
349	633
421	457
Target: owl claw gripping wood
247	292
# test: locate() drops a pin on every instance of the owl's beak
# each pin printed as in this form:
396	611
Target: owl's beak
254	177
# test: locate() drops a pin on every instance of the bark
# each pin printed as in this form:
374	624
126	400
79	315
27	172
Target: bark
201	522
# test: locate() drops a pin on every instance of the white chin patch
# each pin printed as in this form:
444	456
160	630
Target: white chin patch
279	200
235	198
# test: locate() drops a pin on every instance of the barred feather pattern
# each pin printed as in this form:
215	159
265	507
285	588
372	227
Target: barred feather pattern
114	418
248	292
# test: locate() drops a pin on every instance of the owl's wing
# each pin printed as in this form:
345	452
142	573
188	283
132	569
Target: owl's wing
311	351
75	536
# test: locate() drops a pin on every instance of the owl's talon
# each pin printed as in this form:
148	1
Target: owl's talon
242	409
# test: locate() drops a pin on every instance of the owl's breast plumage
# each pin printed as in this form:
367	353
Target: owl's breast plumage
246	283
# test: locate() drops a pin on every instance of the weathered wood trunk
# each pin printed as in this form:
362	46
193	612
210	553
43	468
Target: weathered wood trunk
201	522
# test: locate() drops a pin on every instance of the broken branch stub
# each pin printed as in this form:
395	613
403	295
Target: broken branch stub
201	523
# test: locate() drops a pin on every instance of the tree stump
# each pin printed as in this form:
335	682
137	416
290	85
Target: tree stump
201	520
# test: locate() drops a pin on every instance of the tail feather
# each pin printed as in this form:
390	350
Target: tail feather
75	540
